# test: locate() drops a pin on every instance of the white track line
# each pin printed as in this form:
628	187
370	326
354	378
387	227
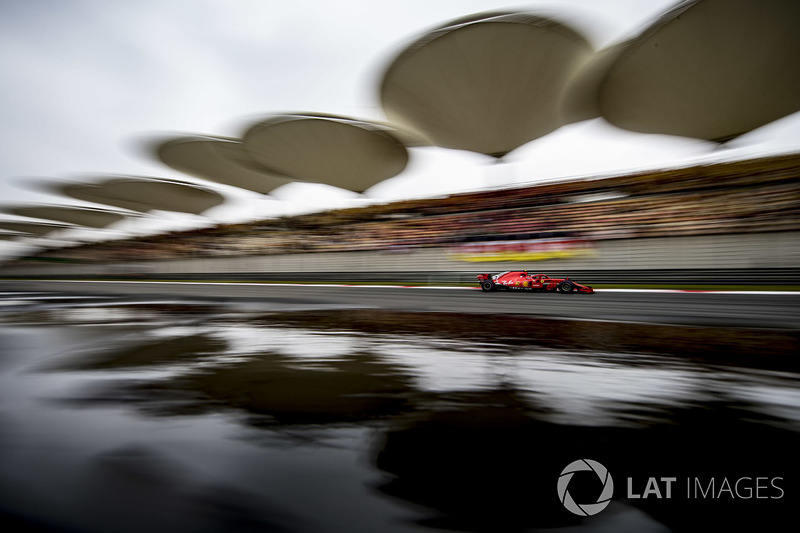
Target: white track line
697	291
236	284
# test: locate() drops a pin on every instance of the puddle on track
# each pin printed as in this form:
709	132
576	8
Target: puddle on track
192	417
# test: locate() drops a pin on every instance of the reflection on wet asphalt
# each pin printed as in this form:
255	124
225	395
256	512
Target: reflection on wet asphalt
176	416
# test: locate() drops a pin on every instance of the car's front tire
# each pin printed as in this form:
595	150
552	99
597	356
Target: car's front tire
566	286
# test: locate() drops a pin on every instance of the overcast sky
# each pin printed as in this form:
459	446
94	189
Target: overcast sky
85	82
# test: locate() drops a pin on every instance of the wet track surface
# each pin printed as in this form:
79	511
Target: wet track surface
702	309
298	414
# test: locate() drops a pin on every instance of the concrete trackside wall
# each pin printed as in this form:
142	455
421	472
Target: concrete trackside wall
747	251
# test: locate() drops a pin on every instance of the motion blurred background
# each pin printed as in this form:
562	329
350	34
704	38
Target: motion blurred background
125	125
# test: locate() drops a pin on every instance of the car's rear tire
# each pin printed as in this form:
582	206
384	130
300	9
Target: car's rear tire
487	285
566	286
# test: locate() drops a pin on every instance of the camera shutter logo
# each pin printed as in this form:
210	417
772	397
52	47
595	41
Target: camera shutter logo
585	509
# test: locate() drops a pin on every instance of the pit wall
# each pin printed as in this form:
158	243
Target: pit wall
757	251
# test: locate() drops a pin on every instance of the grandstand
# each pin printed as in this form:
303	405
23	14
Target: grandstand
760	195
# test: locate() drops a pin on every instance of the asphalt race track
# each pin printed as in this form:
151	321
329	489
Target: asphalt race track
699	309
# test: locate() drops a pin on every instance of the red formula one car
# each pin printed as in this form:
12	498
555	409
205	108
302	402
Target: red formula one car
522	280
